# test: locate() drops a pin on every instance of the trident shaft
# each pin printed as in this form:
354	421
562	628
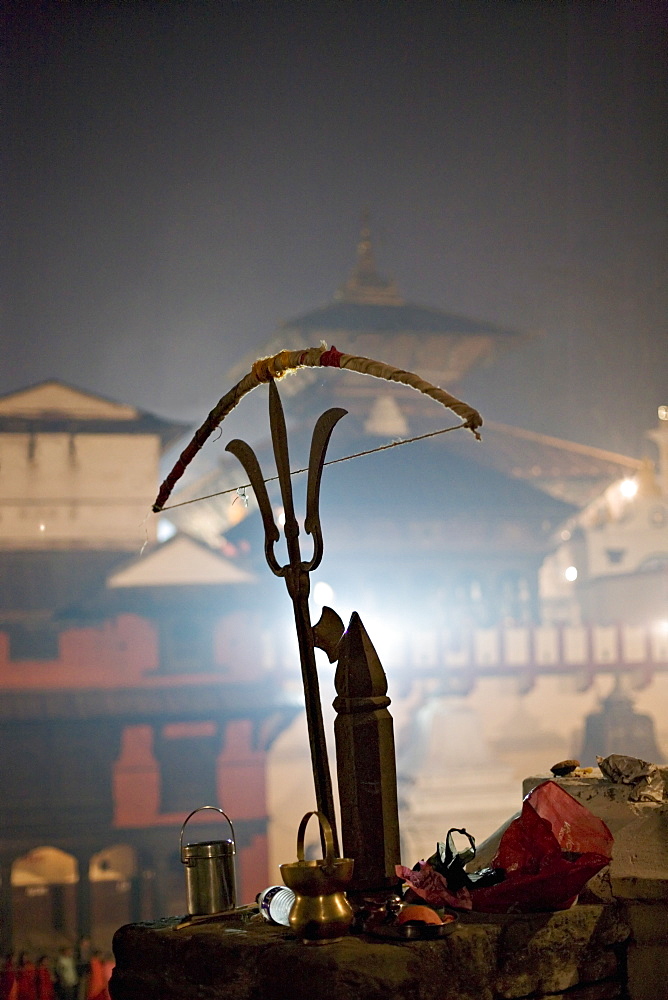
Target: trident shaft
295	571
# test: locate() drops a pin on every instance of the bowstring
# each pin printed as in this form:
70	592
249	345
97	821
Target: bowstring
331	461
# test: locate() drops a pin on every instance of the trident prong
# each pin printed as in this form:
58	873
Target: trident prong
296	572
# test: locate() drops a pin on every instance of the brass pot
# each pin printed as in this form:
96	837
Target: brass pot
320	912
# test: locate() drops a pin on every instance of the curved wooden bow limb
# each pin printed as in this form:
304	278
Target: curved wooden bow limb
269	369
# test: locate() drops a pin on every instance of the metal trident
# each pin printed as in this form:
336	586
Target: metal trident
296	572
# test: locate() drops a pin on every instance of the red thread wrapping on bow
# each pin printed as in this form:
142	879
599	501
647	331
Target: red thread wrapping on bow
331	358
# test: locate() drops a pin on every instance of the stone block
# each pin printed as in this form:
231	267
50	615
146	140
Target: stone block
157	962
648	922
487	957
553	952
643	889
595	991
647	972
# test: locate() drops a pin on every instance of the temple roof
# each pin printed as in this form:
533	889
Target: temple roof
367	302
566	470
55	407
367	314
181	561
366	317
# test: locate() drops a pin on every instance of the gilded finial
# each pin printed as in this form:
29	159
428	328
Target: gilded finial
365	286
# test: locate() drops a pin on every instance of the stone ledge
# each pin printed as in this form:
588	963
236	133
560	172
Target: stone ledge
642	889
648	922
598	991
486	958
647	967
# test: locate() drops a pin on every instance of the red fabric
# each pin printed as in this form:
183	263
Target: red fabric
539	875
8	985
26	982
45	987
331	358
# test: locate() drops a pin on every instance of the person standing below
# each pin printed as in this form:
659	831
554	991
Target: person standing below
67	979
97	979
26	979
109	963
45	988
83	956
8	986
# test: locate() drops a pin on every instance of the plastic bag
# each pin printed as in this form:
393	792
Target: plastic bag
426	884
548	854
442	880
451	864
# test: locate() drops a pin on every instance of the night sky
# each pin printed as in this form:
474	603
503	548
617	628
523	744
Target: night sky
179	178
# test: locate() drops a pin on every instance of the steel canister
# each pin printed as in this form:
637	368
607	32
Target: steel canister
210	874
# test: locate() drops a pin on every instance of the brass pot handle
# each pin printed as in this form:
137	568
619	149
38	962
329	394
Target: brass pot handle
326	828
199	809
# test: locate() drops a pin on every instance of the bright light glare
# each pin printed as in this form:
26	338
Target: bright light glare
323	594
628	488
165	530
390	642
663	413
571	573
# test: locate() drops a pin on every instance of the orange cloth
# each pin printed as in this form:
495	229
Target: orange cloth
97	981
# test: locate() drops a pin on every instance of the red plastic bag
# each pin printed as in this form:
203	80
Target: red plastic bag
549	854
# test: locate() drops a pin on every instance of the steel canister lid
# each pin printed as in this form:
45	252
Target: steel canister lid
208	849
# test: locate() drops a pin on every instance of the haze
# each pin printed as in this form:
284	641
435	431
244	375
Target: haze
179	178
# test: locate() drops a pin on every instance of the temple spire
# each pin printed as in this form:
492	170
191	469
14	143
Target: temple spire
365	286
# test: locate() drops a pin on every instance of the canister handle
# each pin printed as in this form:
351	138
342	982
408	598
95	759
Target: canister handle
199	809
326	828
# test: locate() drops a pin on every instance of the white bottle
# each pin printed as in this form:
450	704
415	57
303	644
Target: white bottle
275	904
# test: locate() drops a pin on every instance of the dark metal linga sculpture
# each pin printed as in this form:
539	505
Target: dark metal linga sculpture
295	571
366	767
